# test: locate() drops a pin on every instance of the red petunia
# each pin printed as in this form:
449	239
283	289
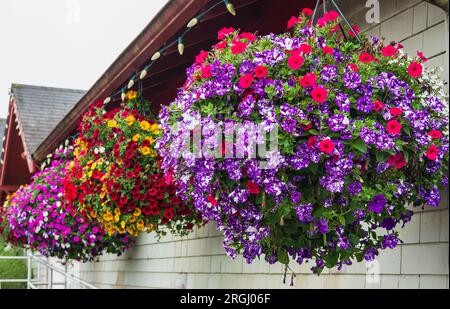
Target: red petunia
307	11
246	81
378	106
398	161
307	127
355	29
221	45
326	146
224	32
305	48
394	127
249	36
432	152
260	71
422	56
252	188
206	71
293	21
319	94
331	15
388	51
238	47
295	62
327	50
322	21
201	57
309	80
312	140
212	200
353	67
435	134
366	58
168	213
415	69
396	111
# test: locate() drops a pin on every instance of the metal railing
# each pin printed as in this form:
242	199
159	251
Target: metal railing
44	276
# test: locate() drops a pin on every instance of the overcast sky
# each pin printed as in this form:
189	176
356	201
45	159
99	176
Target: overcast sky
65	43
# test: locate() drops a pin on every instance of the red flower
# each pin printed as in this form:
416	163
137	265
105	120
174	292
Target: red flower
435	134
295	62
306	127
305	48
260	71
309	80
415	69
252	188
322	21
246	81
327	50
331	15
432	152
212	200
293	21
168	213
378	106
396	111
312	141
319	94
355	29
201	57
398	161
422	57
388	51
249	36
221	45
307	11
238	47
326	146
394	127
353	67
224	32
366	58
206	71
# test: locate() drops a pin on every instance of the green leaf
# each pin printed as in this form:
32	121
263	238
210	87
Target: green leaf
360	146
283	257
332	259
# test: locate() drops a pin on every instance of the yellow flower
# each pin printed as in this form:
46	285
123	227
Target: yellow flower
103	194
76	152
132	94
155	128
145	125
93	214
93	166
117	218
150	139
140	225
130	119
90	174
117	211
137	212
136	137
107	216
153	153
145	151
122	224
112	123
100	161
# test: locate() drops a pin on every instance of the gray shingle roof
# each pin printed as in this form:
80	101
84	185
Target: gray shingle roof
2	130
41	108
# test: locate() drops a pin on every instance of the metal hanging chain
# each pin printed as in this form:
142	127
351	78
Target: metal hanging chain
336	7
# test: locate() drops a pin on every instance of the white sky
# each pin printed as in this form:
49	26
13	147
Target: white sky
65	43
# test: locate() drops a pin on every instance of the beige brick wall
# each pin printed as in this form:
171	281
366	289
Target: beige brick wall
198	261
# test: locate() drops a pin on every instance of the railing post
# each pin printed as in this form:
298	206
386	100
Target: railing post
29	271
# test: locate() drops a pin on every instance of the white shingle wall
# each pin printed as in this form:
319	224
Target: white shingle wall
198	261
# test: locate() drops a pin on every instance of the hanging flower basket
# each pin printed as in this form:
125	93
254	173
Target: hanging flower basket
37	218
361	131
116	177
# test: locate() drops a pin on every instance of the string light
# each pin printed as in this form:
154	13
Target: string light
230	7
180	46
193	22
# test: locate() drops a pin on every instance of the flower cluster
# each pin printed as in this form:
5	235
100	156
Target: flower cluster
361	130
115	176
38	219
